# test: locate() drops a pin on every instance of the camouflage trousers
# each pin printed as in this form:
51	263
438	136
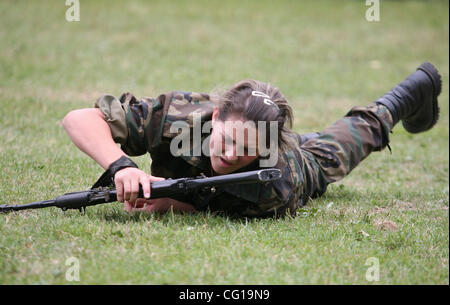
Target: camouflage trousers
336	151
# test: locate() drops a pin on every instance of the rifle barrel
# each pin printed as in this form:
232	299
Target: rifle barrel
32	205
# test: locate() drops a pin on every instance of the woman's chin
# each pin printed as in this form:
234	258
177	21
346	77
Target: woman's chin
221	170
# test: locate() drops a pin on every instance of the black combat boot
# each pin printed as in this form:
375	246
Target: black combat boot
414	100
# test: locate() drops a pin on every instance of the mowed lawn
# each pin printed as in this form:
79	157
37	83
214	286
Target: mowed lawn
391	213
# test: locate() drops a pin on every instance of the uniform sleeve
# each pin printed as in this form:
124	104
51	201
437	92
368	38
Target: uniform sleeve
114	116
135	124
140	125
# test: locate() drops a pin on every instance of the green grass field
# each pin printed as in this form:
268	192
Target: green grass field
323	55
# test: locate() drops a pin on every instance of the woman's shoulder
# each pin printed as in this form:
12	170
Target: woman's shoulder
185	109
182	105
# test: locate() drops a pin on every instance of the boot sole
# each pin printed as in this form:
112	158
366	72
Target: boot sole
434	75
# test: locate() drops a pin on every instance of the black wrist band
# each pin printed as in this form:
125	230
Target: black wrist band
121	163
107	179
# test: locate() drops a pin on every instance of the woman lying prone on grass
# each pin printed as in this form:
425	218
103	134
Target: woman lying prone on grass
219	144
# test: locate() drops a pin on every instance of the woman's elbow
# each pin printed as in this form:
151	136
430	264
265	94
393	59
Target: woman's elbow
76	117
69	120
72	119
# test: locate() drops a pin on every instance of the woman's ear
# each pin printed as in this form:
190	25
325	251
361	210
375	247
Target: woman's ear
215	114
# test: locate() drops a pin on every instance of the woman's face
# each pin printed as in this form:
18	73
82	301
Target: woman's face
230	149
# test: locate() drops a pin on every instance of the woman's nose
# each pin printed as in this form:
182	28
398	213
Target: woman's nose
230	153
231	159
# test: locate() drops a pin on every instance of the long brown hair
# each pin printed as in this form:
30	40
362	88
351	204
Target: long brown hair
239	100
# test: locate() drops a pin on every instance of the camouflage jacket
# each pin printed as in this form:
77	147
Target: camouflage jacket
142	126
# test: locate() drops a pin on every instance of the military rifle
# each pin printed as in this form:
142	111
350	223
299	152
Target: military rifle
159	189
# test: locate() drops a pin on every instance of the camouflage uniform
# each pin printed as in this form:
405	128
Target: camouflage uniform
142	126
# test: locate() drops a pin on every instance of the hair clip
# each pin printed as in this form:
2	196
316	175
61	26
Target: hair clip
267	99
